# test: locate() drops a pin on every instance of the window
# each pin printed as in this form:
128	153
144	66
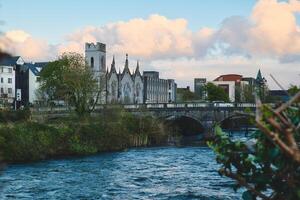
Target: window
1	69
9	70
92	62
38	79
1	80
9	90
2	90
9	80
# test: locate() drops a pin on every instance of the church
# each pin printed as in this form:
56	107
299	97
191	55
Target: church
118	87
126	87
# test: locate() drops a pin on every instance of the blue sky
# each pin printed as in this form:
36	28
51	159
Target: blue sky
53	19
181	39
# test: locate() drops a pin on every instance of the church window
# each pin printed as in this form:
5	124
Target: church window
92	62
102	62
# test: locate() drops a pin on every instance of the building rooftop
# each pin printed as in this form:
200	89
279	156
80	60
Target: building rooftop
229	77
9	61
35	68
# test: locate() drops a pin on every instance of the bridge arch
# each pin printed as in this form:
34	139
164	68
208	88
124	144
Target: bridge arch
236	122
184	125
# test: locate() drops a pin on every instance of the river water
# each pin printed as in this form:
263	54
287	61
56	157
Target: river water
142	173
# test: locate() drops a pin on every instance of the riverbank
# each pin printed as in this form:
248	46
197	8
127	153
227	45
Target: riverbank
29	140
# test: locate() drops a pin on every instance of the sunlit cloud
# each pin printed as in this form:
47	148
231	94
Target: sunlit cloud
271	32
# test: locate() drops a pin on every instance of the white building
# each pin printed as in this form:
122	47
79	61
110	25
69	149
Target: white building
228	86
16	76
95	55
33	70
8	78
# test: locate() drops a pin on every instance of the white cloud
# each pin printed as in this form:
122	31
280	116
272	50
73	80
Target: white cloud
239	45
21	43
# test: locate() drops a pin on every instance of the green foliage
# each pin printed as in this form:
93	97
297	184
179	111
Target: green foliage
184	95
248	94
70	79
14	115
215	93
293	90
258	164
113	130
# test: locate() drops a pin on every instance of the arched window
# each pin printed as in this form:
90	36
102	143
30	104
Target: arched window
92	62
102	62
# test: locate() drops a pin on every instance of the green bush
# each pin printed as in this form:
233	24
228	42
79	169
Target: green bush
30	141
14	115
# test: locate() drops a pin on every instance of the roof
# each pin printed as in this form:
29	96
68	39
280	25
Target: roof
9	61
229	77
278	93
35	68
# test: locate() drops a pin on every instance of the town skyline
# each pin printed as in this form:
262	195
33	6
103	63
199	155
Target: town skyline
238	40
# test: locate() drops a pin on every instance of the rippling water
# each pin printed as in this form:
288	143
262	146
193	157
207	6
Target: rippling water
145	173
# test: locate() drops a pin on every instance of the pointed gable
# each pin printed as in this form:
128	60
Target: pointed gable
112	68
259	78
137	70
126	68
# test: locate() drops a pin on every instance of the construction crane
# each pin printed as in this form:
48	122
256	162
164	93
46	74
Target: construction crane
279	85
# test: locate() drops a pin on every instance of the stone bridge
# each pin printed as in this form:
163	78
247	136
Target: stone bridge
199	118
189	117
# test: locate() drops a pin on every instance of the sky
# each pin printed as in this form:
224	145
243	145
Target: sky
182	39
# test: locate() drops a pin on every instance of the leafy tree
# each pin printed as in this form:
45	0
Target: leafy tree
186	95
268	165
70	79
293	90
248	94
215	93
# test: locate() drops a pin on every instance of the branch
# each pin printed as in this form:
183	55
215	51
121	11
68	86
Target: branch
241	181
289	103
292	150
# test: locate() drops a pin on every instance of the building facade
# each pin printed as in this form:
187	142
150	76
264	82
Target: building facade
158	90
126	87
19	81
199	87
8	78
236	86
95	55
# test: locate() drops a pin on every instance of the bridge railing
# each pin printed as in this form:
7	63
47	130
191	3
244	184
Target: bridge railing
153	106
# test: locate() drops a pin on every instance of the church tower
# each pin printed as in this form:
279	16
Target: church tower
95	55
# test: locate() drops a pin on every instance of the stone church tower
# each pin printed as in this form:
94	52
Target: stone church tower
116	87
95	55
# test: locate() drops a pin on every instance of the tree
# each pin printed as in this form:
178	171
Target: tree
70	79
269	167
215	93
293	90
186	95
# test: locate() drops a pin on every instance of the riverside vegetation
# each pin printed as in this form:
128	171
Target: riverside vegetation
24	140
70	79
267	166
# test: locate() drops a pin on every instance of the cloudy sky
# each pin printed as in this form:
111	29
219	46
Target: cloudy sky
181	39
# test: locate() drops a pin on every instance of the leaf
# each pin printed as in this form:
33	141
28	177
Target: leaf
274	152
247	195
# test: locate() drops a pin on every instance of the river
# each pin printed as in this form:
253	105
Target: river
142	173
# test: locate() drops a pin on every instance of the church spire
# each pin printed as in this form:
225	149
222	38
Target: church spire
259	79
137	70
113	67
126	68
126	62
